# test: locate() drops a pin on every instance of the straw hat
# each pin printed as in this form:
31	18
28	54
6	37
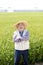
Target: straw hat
25	23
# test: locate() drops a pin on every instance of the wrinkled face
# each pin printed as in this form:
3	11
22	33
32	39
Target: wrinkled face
21	27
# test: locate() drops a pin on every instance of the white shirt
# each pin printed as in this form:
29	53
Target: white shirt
23	45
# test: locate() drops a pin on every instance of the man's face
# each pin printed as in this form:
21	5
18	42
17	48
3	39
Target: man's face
21	27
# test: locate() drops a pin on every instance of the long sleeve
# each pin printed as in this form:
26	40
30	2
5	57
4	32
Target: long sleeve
16	37
26	36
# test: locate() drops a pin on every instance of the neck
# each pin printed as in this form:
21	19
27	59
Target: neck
21	31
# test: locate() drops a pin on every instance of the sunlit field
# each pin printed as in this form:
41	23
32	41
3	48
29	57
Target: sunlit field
35	27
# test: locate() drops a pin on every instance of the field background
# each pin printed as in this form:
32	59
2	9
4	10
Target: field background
35	27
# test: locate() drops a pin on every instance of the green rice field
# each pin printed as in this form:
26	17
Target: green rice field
35	27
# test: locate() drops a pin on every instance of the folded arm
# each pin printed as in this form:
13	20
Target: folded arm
26	36
16	39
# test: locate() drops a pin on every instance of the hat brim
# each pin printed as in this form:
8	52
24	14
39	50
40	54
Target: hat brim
25	23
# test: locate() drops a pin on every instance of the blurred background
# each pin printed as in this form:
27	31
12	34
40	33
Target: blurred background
21	5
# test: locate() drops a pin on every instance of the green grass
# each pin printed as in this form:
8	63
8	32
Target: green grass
35	27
